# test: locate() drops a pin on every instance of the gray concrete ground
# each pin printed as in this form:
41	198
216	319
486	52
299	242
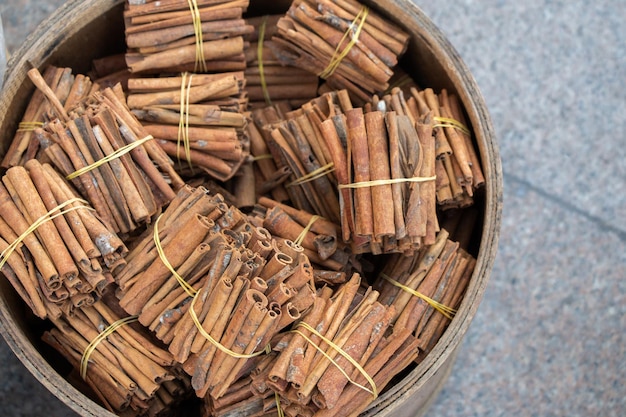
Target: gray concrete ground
550	336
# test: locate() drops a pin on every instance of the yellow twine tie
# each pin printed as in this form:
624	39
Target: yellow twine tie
313	175
84	361
447	122
365	184
337	57
183	123
373	391
267	349
259	53
28	126
43	219
120	152
159	247
197	25
279	409
306	230
445	310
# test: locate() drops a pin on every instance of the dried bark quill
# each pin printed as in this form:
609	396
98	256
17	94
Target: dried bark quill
256	213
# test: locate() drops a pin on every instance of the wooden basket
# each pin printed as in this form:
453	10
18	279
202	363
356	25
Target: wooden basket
85	29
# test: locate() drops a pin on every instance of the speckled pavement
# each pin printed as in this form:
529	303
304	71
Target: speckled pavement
550	336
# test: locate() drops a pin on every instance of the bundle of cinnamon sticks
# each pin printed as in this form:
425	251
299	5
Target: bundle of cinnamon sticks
124	367
70	90
270	178
177	36
457	166
87	145
342	41
334	361
298	149
236	275
381	163
427	289
56	253
268	81
196	118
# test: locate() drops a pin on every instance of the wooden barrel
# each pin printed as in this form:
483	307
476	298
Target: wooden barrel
85	29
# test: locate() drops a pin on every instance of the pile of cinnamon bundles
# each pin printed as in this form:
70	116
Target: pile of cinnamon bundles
285	247
177	36
343	42
197	119
56	252
127	370
268	81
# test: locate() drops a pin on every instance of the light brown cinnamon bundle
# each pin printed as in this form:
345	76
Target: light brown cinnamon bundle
63	254
197	119
176	36
344	42
268	80
457	165
295	142
440	274
127	190
239	282
384	169
69	90
126	369
309	382
382	163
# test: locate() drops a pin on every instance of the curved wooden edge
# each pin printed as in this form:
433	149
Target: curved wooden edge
37	49
436	367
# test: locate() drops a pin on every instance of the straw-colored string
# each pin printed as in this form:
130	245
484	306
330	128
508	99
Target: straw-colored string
445	310
448	122
157	243
267	349
28	126
197	25
306	230
338	56
279	409
259	54
373	391
120	152
313	175
183	122
374	183
52	214
84	361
